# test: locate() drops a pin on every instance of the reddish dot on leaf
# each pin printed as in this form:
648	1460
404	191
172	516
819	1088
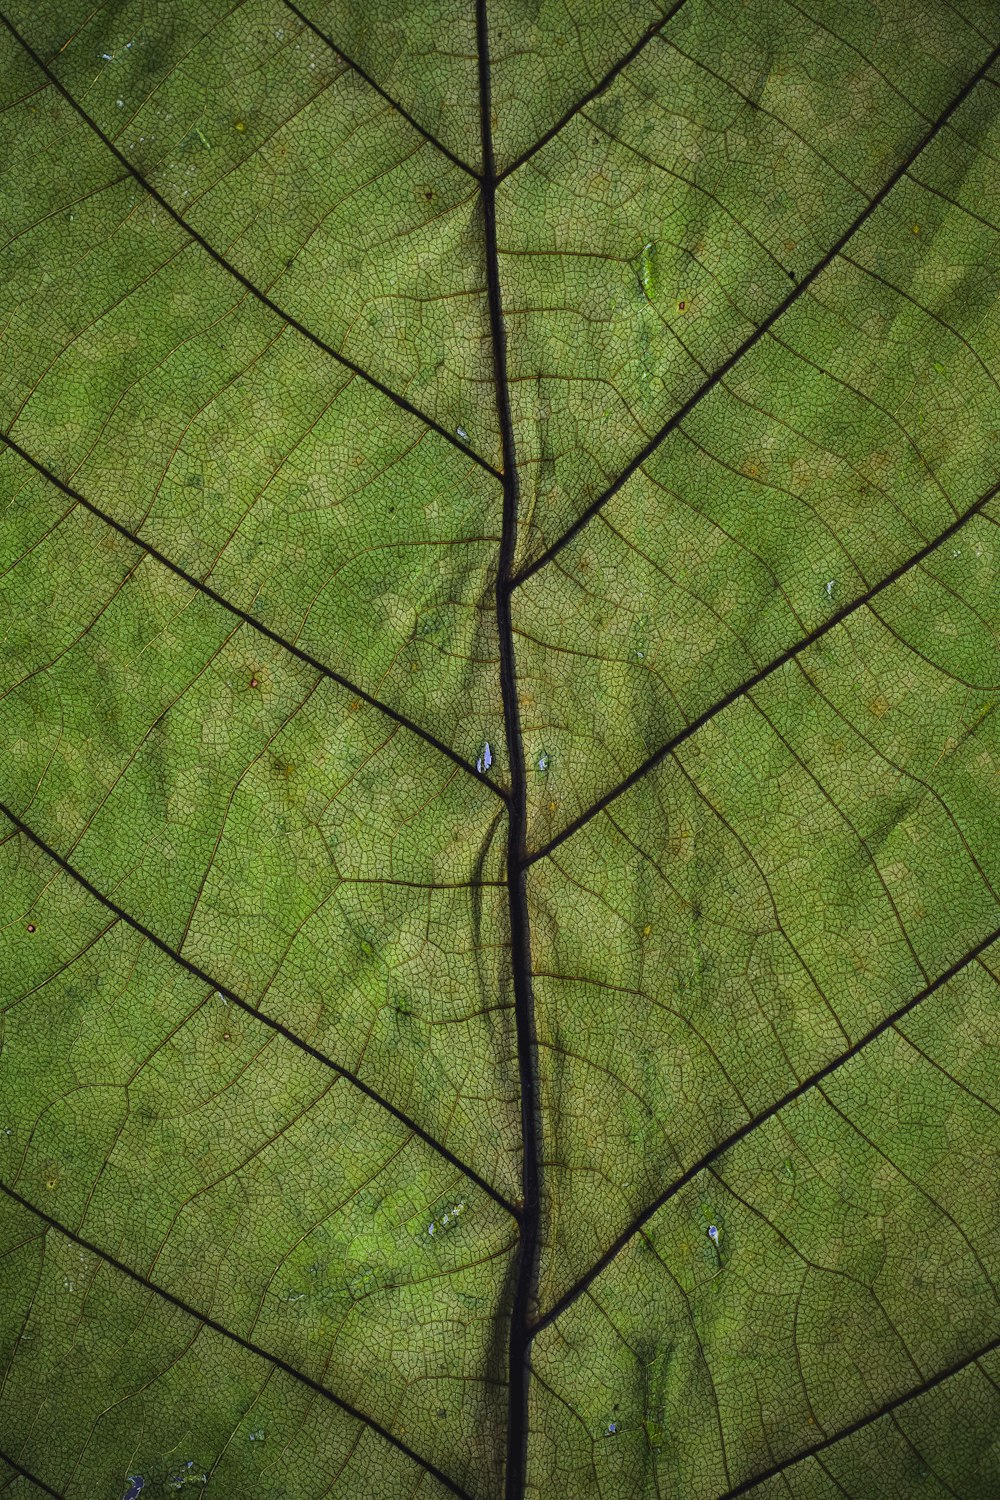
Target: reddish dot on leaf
681	306
254	682
31	926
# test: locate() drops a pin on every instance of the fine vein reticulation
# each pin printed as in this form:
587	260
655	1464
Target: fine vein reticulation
227	265
227	1333
884	1410
219	988
749	683
802	285
255	624
527	1320
704	1162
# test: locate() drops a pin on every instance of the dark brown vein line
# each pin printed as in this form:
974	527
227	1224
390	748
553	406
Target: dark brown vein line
814	1079
526	1274
241	614
884	1410
231	270
39	1484
598	89
356	67
251	1010
801	286
227	1333
749	683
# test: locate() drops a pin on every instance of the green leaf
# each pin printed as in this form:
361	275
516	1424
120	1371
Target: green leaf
499	886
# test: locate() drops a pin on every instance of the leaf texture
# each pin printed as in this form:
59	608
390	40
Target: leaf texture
499	890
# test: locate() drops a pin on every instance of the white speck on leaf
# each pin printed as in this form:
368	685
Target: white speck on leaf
485	760
713	1233
462	434
830	587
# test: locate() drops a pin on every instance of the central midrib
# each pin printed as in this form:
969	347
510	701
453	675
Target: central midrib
526	1276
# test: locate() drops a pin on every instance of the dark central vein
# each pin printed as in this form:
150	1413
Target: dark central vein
230	269
227	1333
251	1010
526	1282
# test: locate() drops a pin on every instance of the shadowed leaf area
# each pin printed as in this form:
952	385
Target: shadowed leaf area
499	749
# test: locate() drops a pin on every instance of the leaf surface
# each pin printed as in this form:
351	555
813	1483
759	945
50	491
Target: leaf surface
500	902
